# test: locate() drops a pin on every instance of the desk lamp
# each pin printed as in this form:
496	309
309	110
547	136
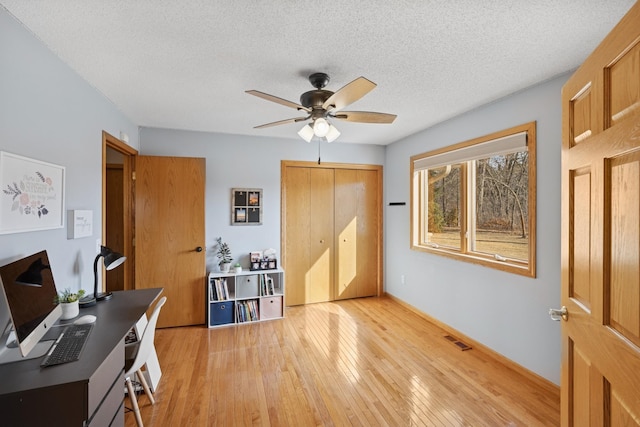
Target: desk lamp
111	260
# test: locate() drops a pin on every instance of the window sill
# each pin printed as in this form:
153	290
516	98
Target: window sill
514	267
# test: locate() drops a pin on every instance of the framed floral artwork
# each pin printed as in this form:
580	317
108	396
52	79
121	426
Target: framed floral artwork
32	195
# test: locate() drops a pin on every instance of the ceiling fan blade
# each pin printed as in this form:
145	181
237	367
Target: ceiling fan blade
282	122
277	100
348	94
365	117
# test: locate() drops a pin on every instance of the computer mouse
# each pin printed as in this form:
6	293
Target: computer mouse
87	318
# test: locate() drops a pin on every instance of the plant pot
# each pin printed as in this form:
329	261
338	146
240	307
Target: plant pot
69	310
224	267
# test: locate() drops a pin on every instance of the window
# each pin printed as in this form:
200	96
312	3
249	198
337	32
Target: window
475	200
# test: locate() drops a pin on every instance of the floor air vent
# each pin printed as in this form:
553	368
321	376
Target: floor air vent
458	343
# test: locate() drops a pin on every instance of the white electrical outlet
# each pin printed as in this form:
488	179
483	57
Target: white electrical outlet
98	244
402	279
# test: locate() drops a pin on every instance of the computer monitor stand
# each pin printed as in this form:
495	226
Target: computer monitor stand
10	353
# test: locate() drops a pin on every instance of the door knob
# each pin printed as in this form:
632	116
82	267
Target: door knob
199	249
557	315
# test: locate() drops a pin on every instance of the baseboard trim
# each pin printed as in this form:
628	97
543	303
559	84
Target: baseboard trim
543	382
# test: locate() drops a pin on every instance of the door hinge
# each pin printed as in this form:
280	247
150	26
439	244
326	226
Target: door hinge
133	175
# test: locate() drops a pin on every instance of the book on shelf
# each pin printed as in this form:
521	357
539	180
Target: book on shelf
267	285
253	305
218	291
270	286
247	311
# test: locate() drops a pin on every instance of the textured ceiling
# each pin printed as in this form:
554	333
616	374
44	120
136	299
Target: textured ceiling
186	64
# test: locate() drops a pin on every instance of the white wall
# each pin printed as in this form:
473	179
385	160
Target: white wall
234	161
47	112
503	311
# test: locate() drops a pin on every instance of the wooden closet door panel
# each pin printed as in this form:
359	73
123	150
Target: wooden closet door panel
368	239
346	229
357	239
297	223
319	278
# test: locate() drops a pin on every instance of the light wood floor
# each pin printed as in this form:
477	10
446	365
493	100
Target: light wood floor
363	362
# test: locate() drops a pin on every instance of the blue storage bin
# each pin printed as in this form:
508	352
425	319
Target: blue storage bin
220	313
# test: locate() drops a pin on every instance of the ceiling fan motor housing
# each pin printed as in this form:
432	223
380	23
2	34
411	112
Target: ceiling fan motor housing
314	99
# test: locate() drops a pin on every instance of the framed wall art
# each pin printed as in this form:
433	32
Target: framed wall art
32	196
246	206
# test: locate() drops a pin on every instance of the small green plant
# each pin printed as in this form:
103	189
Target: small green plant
223	252
68	296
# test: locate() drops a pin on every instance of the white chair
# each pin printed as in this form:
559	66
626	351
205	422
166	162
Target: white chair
137	354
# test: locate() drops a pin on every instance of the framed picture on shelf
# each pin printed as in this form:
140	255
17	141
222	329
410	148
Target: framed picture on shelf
264	264
246	206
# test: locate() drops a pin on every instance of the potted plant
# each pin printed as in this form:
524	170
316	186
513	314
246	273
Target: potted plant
237	267
69	302
224	254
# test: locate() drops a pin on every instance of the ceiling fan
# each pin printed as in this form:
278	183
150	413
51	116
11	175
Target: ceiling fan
322	105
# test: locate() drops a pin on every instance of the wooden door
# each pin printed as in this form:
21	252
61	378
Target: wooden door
114	237
357	213
601	234
308	220
169	229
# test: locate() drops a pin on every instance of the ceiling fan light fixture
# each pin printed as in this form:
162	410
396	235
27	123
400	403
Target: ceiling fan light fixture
306	132
323	105
321	127
333	133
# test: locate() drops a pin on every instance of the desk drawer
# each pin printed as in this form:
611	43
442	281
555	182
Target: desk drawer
104	377
109	410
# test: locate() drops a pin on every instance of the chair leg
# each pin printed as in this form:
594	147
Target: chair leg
134	402
145	386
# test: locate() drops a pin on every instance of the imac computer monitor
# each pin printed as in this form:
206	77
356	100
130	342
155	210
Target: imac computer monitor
29	292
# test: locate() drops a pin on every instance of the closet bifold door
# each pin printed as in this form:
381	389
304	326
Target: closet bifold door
356	217
308	222
320	272
332	227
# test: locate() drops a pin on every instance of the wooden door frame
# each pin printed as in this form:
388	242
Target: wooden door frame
128	167
284	164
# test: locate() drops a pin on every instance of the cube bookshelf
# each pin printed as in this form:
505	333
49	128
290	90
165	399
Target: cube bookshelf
245	297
